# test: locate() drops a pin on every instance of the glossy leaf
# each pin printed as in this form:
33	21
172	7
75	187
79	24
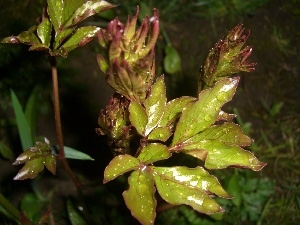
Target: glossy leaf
160	134
155	104
23	128
81	37
90	8
180	185
221	156
44	32
229	133
203	113
71	153
153	152
28	37
138	117
120	165
172	61
35	158
70	6
61	37
55	11
31	169
139	198
194	178
174	108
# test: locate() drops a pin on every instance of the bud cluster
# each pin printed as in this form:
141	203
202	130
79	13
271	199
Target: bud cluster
130	63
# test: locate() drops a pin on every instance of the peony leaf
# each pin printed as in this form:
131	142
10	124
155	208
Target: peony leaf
181	185
120	165
229	133
70	6
155	104
160	134
44	32
81	37
153	152
203	113
29	37
50	163
31	169
139	198
55	11
193	178
88	9
221	156
173	110
138	117
60	37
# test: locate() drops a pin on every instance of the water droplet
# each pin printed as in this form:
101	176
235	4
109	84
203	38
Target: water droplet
207	118
222	96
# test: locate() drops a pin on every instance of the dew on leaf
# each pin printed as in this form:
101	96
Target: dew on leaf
222	96
207	117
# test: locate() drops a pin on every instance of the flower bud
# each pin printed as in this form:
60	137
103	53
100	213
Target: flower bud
227	57
114	122
130	61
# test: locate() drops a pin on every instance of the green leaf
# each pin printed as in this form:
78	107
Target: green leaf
139	198
153	152
70	6
29	37
81	37
35	158
44	32
31	110
59	39
5	151
102	63
55	11
160	134
120	165
71	153
229	133
203	113
90	8
74	214
172	61
138	117
32	206
221	156
235	189
193	178
173	110
31	169
23	128
155	104
181	185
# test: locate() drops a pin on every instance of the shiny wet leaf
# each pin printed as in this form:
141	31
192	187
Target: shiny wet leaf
203	113
120	165
139	198
153	152
177	187
138	117
55	11
44	32
155	104
160	134
35	159
81	37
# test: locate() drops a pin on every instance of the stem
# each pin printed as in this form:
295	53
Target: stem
58	124
9	207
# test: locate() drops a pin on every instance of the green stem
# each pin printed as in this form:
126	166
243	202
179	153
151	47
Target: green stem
9	207
58	124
